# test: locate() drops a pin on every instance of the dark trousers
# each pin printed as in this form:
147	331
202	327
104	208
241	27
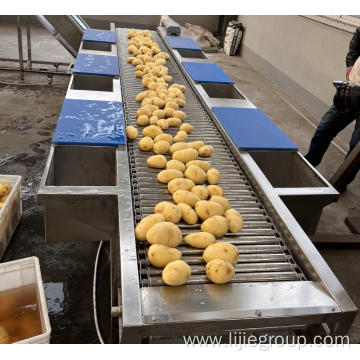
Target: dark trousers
330	125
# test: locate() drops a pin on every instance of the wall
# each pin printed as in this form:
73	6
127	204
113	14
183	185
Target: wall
301	55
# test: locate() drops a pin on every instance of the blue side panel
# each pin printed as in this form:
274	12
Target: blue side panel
177	42
88	64
88	122
206	72
104	36
251	129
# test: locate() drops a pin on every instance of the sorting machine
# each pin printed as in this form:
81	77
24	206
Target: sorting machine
96	186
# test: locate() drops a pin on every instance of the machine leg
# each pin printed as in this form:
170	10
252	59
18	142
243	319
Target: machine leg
21	60
28	39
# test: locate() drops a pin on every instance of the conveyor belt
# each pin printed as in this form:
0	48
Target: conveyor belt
263	254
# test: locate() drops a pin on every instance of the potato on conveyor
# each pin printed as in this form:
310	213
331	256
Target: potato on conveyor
152	131
196	174
159	113
163	124
206	150
176	273
145	225
200	240
180	184
197	144
142	120
161	147
143	111
175	164
234	219
170	211
206	209
179	114
188	128
4	189
167	175
187	197
219	271
180	136
165	233
179	146
174	121
200	163
217	225
188	214
185	155
153	120
146	143
201	191
222	250
165	137
169	112
222	201
178	86
180	102
160	255
156	161
213	176
215	190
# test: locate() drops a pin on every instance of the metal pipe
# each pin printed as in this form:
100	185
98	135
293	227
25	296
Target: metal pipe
18	17
34	71
28	39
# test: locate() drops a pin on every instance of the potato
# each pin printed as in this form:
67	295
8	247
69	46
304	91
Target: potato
167	175
4	198
146	143
185	155
200	163
178	86
213	176
217	225
164	137
169	112
187	128
219	271
138	74
200	191
174	121
222	201
188	213
180	184
170	211
234	219
146	101
179	114
180	102
143	111
187	197
137	61
152	131
180	136
142	120
172	104
215	190
200	240
146	224
131	132
206	209
160	255
141	96
206	150
167	78
175	164
158	101
197	144
4	335
176	273
161	147
163	124
156	161
130	59
222	250
153	120
179	146
165	233
196	174
159	113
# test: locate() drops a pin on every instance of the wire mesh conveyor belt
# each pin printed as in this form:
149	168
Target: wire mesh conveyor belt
263	254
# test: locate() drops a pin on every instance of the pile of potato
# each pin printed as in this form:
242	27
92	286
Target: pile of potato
5	190
191	181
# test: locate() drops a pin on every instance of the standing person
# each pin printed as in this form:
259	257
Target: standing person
334	121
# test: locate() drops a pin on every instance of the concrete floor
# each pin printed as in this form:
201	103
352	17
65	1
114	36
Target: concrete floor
28	116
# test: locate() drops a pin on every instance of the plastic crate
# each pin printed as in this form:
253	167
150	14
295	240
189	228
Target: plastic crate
10	213
14	274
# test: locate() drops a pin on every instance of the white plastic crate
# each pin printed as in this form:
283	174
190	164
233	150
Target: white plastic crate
10	213
14	274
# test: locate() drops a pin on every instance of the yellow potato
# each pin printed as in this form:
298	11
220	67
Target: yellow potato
206	150
146	224
153	120
144	110
152	131
141	96
161	147
180	102
221	200
137	61
219	271
140	67
178	86
179	114
185	155
146	101
215	190
222	250
4	198
200	240
167	175
174	121
156	161
170	211
206	209
142	120
138	74
158	101
131	132
159	113
180	136
165	233
169	111
146	143
167	78
163	124
200	163
196	174
175	164
201	191
213	176
217	225
130	59
188	128
164	137
180	184
188	214
197	144
172	104
234	219
160	255
179	146
4	335
187	197
176	273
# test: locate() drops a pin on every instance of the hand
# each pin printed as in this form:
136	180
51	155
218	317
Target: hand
348	70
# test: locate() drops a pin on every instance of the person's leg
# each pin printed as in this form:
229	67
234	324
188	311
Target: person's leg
330	125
